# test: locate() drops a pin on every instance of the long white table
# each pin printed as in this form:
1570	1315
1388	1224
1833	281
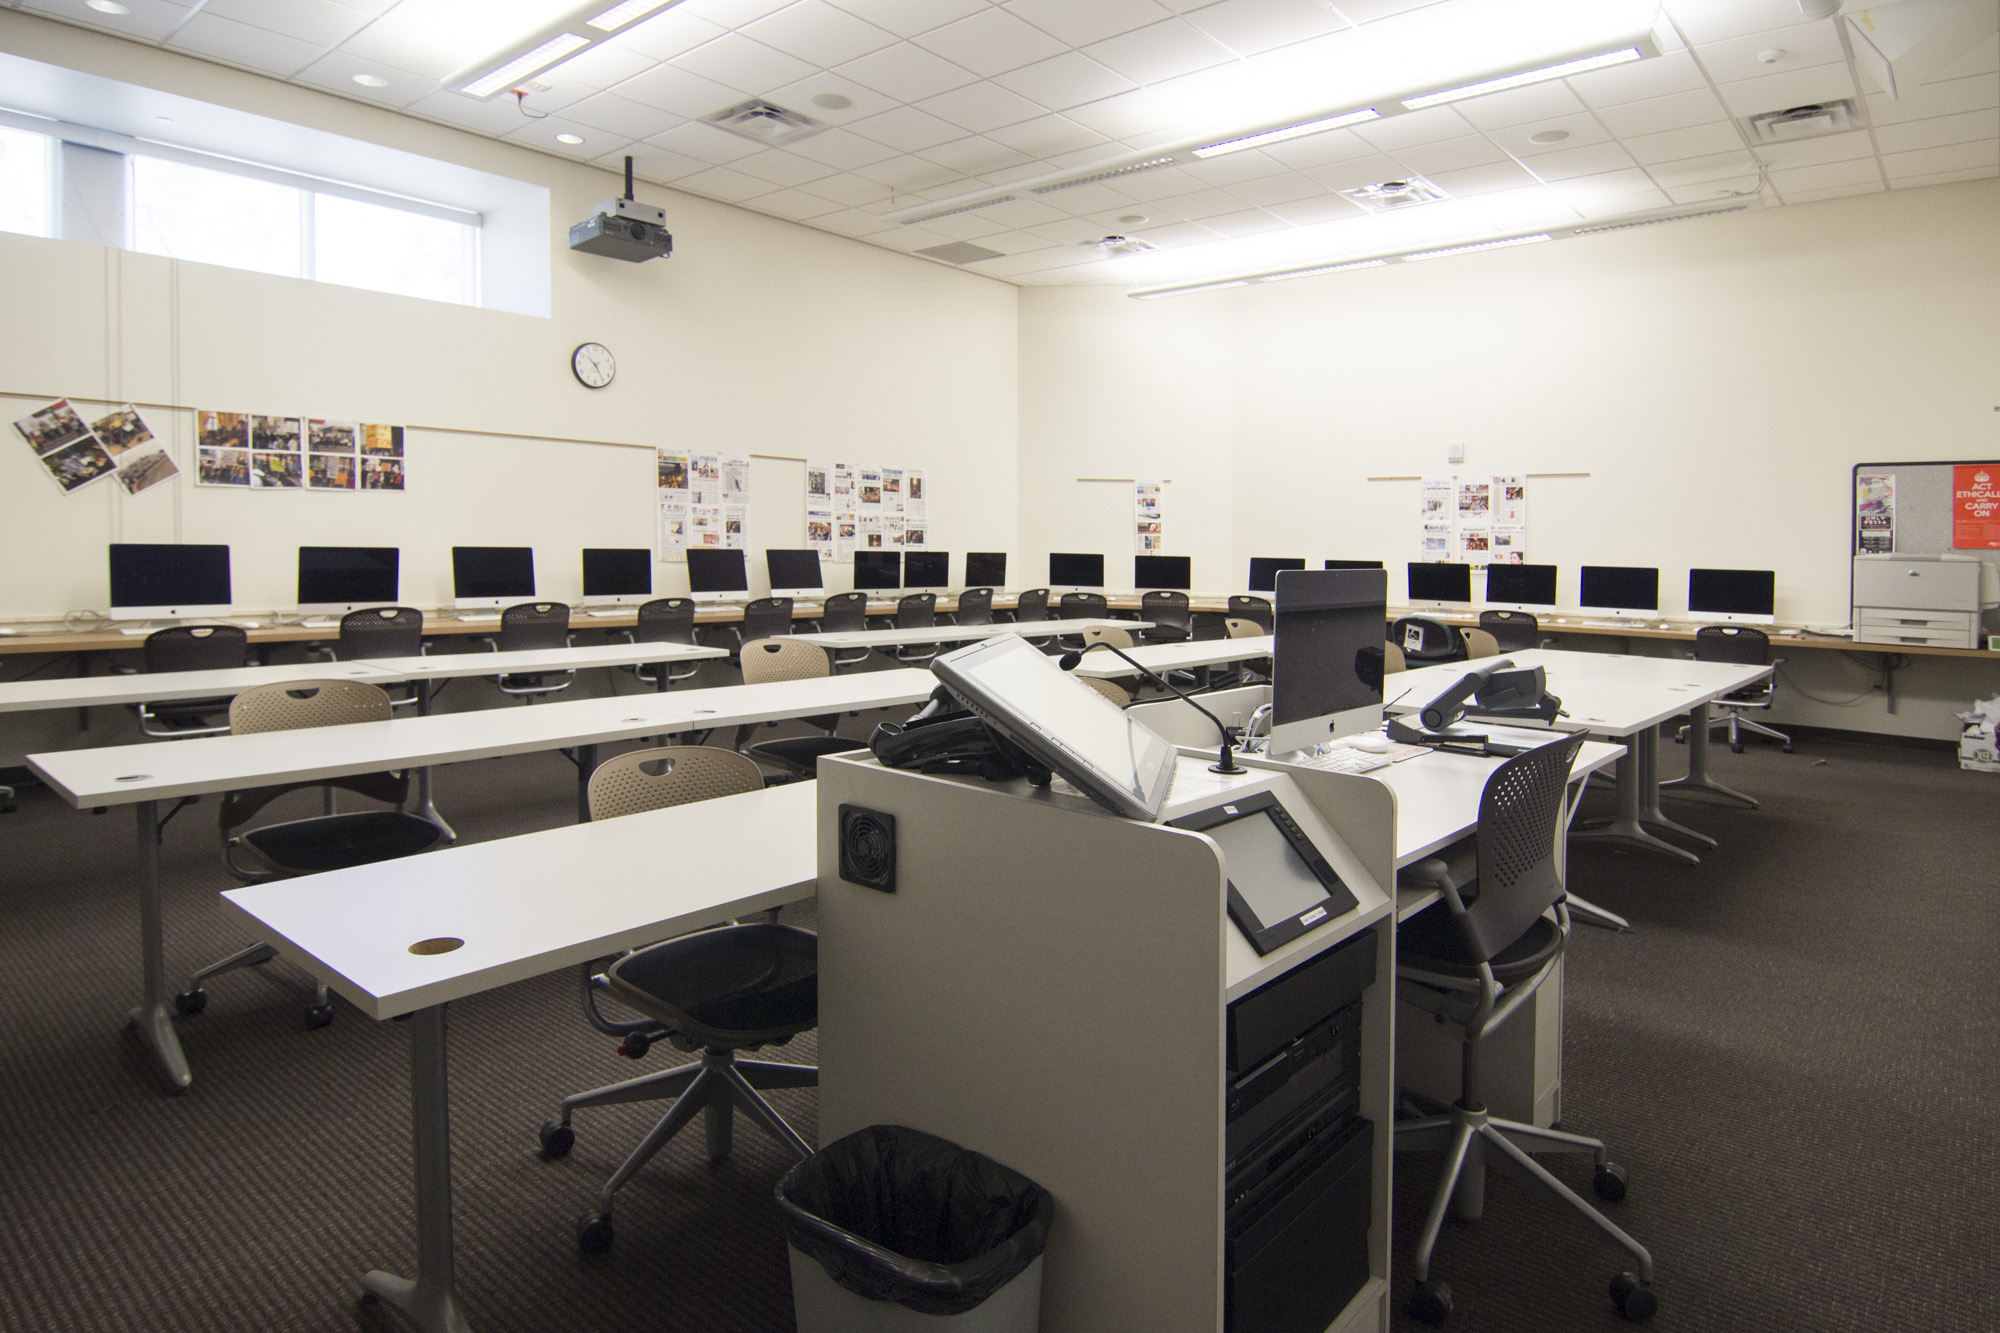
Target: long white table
1165	657
410	936
144	775
900	638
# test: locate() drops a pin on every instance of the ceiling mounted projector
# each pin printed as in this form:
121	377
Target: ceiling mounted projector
624	229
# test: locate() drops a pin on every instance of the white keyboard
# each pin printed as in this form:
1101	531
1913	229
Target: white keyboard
598	612
1341	759
479	618
319	622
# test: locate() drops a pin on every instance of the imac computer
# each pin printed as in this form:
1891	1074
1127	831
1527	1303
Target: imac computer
1073	571
1747	596
1264	570
1619	590
491	576
1521	587
1174	573
1437	583
334	580
924	570
794	573
1353	564
617	575
716	574
168	583
876	571
1326	657
986	569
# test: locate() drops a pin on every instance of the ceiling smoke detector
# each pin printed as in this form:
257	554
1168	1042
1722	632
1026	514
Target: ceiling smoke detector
1803	122
1384	196
764	122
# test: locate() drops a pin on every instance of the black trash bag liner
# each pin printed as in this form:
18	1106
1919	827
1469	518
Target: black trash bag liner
896	1214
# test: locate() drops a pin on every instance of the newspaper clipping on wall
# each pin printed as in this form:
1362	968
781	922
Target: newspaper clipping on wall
1875	513
1473	520
864	505
1148	520
704	500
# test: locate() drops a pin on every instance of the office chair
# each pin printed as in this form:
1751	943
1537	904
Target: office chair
734	988
191	648
1514	631
526	626
1746	647
332	841
791	659
1392	659
1254	609
975	606
845	613
1110	689
1435	641
664	620
1479	643
1246	671
1473	960
1030	607
1081	606
765	618
917	610
1172	616
380	631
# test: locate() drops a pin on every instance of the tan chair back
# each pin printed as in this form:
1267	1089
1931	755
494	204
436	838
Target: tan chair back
783	659
1111	690
1117	638
1479	643
290	705
1242	629
641	780
1392	659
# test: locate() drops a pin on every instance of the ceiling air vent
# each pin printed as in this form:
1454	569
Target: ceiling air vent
1386	195
1802	122
765	123
960	252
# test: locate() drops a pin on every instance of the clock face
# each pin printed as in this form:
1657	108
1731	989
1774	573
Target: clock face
593	365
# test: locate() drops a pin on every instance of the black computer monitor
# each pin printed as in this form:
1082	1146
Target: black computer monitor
615	574
1734	594
168	580
1326	658
1264	570
491	575
715	572
1521	586
1618	588
986	569
1353	564
926	569
1440	581
1172	572
793	571
1072	569
340	579
878	569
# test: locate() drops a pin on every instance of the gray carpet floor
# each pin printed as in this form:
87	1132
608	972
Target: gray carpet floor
1793	1055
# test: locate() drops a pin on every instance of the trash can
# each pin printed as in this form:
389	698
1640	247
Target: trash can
893	1229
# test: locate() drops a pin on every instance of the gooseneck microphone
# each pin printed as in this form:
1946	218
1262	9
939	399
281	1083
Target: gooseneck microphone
1225	758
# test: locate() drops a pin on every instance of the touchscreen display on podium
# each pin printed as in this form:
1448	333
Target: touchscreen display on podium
1280	886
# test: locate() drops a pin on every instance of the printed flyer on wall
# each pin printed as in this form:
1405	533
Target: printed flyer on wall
1875	513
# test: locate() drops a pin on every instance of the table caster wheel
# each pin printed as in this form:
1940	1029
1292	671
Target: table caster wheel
1430	1303
190	1002
593	1233
1609	1182
1634	1298
318	1016
557	1139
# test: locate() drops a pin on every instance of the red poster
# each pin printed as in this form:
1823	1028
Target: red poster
1975	507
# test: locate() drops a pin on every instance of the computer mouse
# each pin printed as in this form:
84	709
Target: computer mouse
1374	743
1562	620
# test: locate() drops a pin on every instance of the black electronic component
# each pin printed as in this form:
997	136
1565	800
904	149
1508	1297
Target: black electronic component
793	569
1440	581
348	575
1732	592
1521	585
1071	569
1264	570
1619	588
164	577
878	569
713	570
610	571
985	569
1174	573
926	569
1280	886
492	571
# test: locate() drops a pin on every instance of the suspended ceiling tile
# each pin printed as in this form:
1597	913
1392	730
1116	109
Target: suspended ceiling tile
1738	166
1521	106
1315	150
1358	172
1162	51
1286	189
738	61
1944	178
667	35
1965	127
907	18
907	128
322	23
651	163
1664	113
408	41
800	96
1838	192
722	183
1080	24
1694	141
605	65
848	190
1471	150
1799	46
973	156
906	73
1827	175
1432	125
1046	136
794	204
819	33
241	44
733	13
781	167
1825	148
980	107
1798	87
990	42
1948	157
541	134
621	115
1232	168
492	118
336	70
1589	160
1944	98
853	222
1703	21
1578	131
148	21
1662	76
1489	179
704	142
1250	26
1248	222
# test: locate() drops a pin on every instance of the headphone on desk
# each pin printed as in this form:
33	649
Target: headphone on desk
946	737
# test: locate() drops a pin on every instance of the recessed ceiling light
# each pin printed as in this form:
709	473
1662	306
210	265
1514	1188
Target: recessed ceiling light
569	138
833	101
1549	136
164	120
1133	219
371	80
108	7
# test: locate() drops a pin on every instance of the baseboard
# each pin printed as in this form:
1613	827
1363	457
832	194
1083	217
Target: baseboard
1801	733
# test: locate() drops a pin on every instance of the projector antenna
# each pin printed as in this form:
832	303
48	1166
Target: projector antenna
628	176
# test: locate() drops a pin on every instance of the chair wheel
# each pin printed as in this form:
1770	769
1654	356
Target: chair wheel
635	1046
1736	747
190	1002
1788	748
370	1298
1609	1182
318	1016
593	1233
1430	1302
557	1138
1634	1298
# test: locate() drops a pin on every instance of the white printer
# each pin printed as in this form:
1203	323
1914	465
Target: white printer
1932	601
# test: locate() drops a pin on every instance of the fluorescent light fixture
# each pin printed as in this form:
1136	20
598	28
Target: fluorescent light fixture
616	17
111	7
1481	245
1289	132
370	80
1603	60
1324	268
560	47
584	26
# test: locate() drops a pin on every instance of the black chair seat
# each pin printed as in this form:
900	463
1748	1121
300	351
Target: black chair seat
308	846
728	989
801	754
1432	942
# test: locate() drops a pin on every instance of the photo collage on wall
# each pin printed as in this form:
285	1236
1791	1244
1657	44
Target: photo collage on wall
852	506
704	500
1474	520
75	454
296	453
1149	534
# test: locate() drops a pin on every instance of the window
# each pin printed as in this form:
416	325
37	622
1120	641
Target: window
26	181
388	250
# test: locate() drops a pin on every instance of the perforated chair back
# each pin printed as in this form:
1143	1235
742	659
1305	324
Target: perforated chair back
1478	643
1172	616
844	613
783	659
1238	628
1732	643
531	625
641	780
1081	605
1436	641
1117	638
292	705
197	648
1519	879
665	620
975	606
1032	605
1514	631
1392	659
917	610
380	631
765	617
1111	690
1256	609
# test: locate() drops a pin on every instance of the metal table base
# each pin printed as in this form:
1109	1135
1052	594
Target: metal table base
1639	805
1698	778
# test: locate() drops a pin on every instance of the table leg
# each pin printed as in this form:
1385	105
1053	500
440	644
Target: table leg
426	807
1627	826
430	1299
1698	778
1588	913
586	764
1650	813
154	1018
